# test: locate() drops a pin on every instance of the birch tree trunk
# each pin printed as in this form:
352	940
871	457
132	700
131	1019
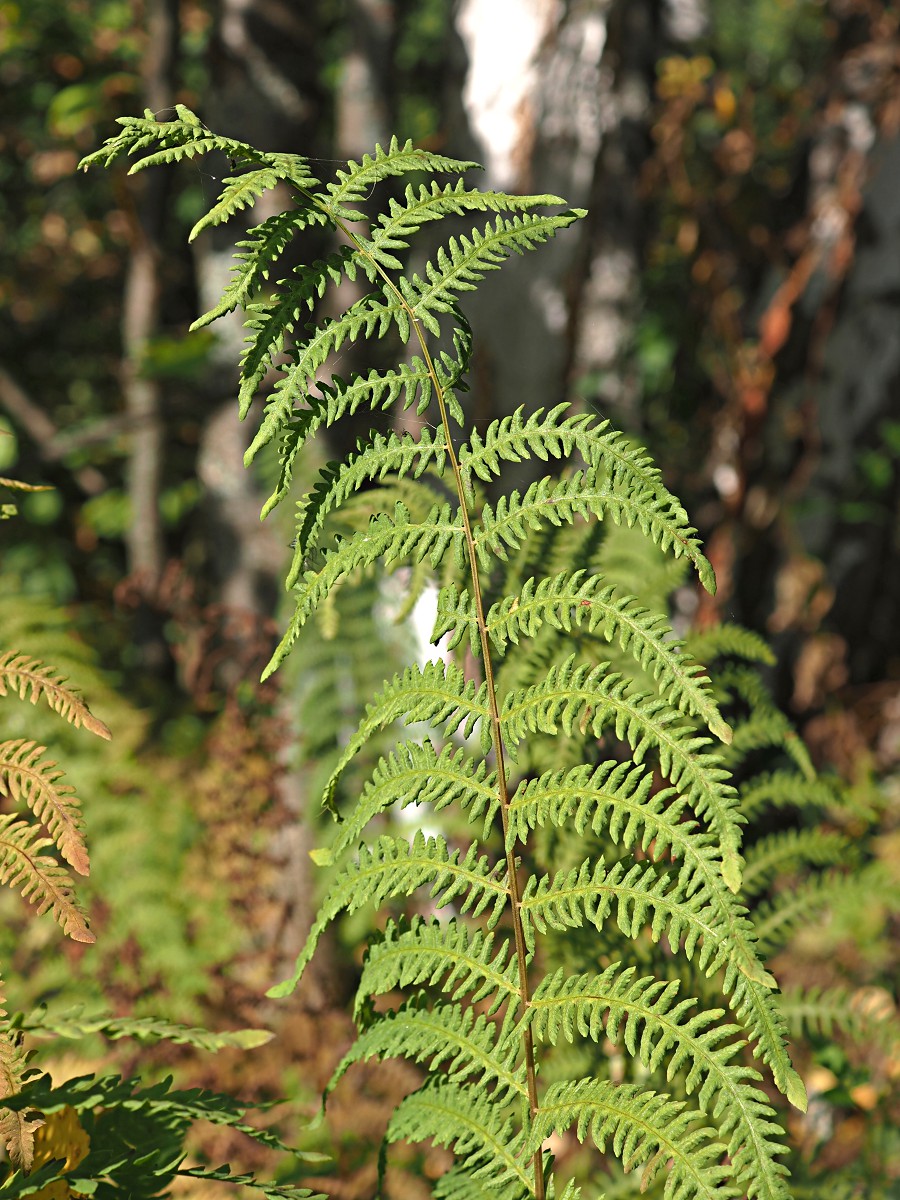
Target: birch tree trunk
556	99
144	537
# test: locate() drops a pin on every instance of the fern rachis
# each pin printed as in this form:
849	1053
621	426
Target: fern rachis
481	1012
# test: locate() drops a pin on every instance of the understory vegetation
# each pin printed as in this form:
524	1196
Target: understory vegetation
575	851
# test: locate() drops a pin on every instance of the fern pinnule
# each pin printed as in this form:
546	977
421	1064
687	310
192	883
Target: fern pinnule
668	1034
645	1130
465	1045
573	598
40	878
474	1125
463	963
574	696
396	454
417	774
395	867
438	693
29	679
27	778
792	850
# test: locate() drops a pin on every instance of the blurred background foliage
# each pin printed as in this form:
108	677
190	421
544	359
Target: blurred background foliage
733	302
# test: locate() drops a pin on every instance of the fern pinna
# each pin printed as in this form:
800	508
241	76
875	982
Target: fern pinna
480	1011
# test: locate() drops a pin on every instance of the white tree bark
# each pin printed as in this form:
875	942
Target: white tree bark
535	104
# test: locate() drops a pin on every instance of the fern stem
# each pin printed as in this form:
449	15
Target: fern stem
500	756
496	731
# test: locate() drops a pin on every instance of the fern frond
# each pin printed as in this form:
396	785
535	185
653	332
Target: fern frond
330	401
861	1015
464	1046
185	137
256	255
354	185
645	1131
787	789
397	454
371	315
828	891
732	640
29	679
574	598
663	1032
787	851
438	693
458	1184
76	1023
765	728
616	800
463	262
240	192
417	774
588	493
639	894
464	963
29	779
393	229
629	469
470	1122
270	321
586	697
389	537
395	867
38	877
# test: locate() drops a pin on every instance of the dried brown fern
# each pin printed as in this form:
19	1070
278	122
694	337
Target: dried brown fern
45	814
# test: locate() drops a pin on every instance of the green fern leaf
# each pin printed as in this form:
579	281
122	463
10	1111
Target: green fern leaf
719	640
438	693
637	893
389	537
272	320
660	1032
469	1122
786	789
29	779
573	598
417	774
396	454
76	1023
257	254
583	696
371	316
466	1047
869	1016
411	381
458	1184
240	192
588	493
395	867
616	800
394	228
464	963
786	851
354	185
463	262
645	1131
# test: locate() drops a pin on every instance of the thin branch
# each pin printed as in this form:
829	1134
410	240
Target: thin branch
49	442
